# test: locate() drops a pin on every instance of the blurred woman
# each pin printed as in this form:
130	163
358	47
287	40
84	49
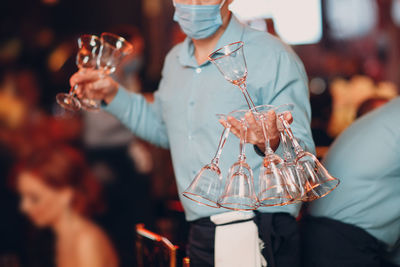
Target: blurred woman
58	191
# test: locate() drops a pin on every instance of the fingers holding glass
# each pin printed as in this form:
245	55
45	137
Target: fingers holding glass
96	58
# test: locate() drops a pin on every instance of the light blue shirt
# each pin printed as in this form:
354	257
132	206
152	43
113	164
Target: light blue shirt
366	159
183	115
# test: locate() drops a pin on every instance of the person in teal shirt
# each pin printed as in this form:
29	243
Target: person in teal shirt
183	115
358	224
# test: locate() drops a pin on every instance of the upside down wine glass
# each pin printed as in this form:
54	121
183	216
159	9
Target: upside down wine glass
89	49
275	188
206	187
239	188
318	182
292	173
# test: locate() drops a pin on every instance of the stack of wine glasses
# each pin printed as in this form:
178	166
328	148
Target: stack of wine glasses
104	54
295	177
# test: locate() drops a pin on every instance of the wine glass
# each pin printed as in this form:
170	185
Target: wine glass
239	191
274	187
319	182
113	48
206	187
231	62
291	172
89	48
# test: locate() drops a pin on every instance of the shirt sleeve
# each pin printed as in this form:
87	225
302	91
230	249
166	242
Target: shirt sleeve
142	118
290	87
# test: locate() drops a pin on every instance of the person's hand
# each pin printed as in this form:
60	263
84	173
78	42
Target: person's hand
255	133
94	84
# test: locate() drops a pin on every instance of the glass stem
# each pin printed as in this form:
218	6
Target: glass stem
268	149
247	96
222	141
286	151
297	148
72	90
252	107
243	134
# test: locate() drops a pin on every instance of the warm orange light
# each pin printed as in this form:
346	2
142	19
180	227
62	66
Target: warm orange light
58	57
50	2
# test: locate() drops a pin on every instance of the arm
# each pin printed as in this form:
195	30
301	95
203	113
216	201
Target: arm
142	118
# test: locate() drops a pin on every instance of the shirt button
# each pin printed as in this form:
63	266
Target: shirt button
191	103
190	137
198	70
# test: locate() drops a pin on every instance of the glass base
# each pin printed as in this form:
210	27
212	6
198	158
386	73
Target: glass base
68	101
90	104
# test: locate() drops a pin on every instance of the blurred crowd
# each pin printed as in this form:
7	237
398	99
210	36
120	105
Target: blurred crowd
127	169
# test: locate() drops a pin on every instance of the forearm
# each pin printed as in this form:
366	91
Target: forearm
139	116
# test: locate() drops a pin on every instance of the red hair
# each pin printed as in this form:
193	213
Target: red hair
61	167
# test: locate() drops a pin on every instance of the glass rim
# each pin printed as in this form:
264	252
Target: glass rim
88	36
264	202
238	206
306	198
289	105
219	49
272	107
192	196
117	37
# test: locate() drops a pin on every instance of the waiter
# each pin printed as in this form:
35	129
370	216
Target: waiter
182	118
358	224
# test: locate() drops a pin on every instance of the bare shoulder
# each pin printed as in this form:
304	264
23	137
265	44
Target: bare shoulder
91	234
94	247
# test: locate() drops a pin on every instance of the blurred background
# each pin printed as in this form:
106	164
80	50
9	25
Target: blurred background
350	49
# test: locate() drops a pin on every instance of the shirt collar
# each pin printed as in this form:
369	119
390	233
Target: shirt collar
233	33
